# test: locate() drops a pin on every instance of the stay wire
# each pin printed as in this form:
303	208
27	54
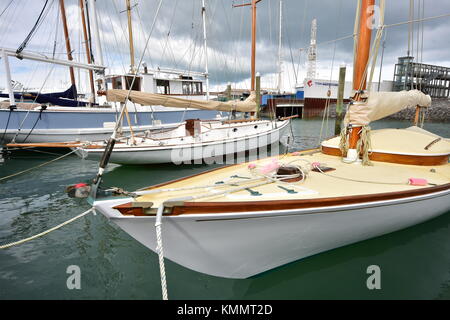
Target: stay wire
30	35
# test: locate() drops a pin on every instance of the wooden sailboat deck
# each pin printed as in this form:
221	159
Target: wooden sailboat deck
344	184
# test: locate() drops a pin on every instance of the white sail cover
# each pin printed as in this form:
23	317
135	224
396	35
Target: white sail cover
149	99
382	104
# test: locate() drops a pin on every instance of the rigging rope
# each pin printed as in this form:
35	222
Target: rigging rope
38	117
6	8
328	100
28	112
33	30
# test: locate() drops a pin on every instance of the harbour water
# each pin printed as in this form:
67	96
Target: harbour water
414	263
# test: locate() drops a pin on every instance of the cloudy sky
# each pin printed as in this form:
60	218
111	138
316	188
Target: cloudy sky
176	39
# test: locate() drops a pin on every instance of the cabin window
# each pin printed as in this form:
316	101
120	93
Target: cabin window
187	87
136	83
198	88
117	82
108	84
192	88
162	86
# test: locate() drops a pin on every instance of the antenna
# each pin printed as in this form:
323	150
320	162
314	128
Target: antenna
312	51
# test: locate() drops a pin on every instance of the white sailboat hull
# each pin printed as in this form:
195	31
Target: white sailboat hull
82	134
240	245
210	152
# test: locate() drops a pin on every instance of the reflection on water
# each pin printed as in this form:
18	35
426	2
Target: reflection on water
415	262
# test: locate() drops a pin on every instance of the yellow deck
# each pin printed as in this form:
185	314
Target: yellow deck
374	179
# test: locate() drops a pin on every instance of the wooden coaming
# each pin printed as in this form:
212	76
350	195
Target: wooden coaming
417	160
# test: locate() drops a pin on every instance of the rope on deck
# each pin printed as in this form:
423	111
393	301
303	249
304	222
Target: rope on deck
12	244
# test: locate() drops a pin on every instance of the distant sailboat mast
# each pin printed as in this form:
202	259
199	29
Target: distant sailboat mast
206	49
88	50
67	40
280	65
253	68
130	35
98	44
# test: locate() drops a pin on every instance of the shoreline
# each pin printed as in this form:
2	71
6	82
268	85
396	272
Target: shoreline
439	111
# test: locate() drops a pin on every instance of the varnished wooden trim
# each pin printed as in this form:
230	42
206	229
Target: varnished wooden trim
274	205
252	206
128	209
396	158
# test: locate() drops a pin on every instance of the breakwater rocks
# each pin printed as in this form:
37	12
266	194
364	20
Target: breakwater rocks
438	111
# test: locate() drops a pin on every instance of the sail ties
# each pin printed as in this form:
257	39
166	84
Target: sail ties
364	145
343	142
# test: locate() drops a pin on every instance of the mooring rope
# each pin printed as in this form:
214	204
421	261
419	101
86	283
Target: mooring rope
12	244
159	250
38	166
275	178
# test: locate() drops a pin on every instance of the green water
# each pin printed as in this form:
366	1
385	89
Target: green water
415	262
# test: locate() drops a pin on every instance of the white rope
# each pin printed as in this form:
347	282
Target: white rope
158	223
361	181
38	166
159	250
196	187
8	245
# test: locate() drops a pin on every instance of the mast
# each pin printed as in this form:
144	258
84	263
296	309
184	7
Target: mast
98	44
253	5
363	47
359	70
88	50
130	35
279	48
206	49
66	36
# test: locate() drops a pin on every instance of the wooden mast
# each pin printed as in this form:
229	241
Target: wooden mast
130	35
66	36
253	69
359	69
363	46
88	51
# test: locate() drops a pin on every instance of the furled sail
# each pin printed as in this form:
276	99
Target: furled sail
66	98
383	104
145	99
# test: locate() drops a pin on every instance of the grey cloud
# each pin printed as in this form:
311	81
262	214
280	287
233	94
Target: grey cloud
229	33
